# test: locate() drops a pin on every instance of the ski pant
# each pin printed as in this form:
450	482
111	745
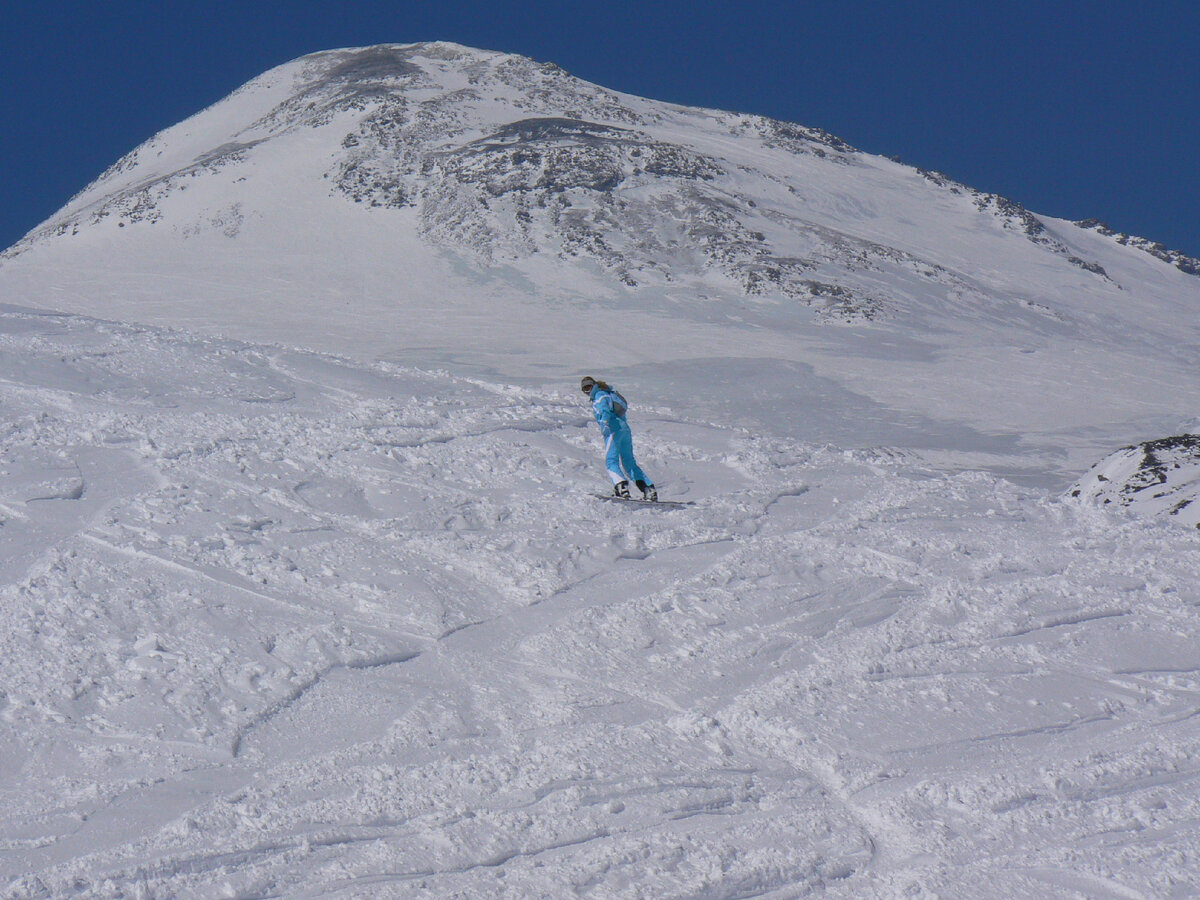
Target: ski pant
618	458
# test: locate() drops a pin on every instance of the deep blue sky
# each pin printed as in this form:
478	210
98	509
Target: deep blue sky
1075	109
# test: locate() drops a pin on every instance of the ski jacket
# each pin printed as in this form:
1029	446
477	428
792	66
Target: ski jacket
604	408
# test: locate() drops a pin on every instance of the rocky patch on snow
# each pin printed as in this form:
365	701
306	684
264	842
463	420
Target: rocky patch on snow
1154	478
1012	216
1187	264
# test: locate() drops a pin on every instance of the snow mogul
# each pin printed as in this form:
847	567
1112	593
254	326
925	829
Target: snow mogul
609	407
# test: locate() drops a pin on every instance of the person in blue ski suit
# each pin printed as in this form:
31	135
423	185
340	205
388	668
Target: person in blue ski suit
608	406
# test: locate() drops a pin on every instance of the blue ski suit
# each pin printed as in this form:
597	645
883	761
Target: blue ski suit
618	439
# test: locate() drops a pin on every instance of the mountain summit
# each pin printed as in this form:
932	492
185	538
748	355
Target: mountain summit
451	203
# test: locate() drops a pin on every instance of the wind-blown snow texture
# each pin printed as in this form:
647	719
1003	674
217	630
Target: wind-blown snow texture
346	621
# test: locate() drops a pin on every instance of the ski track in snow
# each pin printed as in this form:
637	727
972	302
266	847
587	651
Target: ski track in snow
279	624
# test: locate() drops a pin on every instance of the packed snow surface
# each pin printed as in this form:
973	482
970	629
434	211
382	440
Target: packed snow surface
304	591
278	623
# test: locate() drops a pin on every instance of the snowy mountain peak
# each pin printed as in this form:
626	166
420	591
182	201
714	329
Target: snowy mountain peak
500	158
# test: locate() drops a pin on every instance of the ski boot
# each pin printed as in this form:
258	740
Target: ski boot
648	491
621	489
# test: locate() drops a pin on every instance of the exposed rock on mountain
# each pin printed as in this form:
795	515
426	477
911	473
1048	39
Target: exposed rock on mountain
1187	264
1154	478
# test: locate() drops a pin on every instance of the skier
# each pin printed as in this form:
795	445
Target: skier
609	407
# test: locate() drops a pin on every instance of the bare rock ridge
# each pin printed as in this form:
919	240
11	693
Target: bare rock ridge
1187	264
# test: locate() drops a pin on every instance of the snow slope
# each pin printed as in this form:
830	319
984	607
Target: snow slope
278	623
304	593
